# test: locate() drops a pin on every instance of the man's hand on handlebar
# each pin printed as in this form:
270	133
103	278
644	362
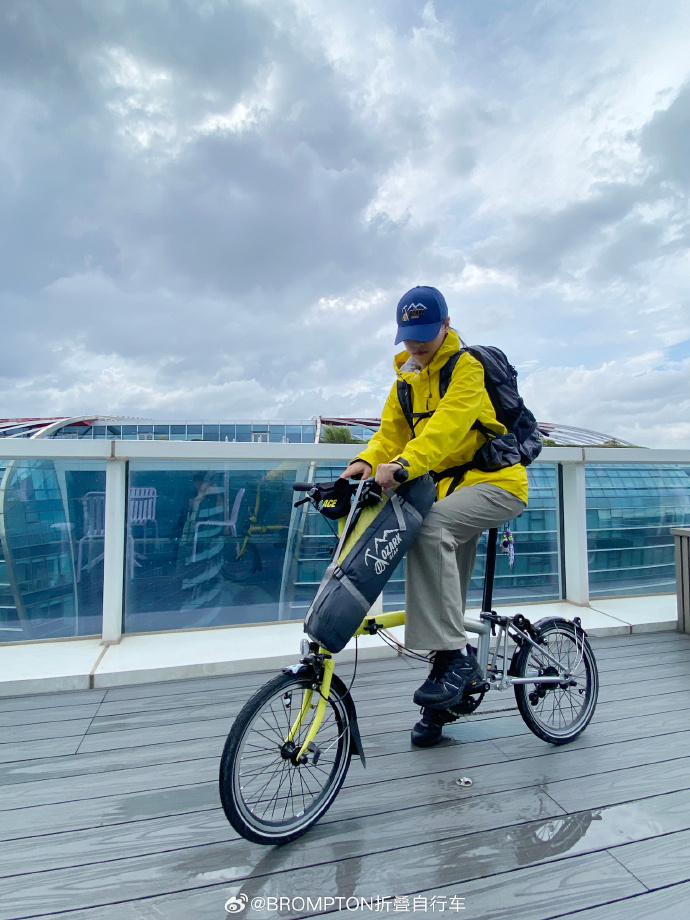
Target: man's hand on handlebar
388	475
358	469
385	475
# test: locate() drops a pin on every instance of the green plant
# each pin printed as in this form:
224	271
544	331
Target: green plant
338	434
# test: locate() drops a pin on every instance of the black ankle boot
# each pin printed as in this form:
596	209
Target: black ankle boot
429	730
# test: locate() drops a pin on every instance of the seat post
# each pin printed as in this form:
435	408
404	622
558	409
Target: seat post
487	599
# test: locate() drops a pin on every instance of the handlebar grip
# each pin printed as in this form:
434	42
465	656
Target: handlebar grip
302	486
401	475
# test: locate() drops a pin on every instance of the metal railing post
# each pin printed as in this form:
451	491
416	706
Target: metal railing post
114	550
575	533
682	537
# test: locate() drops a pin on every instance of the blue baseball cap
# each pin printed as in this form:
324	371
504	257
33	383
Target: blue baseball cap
420	314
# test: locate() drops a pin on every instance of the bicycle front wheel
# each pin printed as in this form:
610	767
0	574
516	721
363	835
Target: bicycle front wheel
268	795
557	712
239	563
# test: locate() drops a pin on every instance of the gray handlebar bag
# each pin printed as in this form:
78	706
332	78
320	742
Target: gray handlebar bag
367	558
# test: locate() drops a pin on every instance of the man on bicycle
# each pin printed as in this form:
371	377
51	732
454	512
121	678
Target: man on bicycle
440	562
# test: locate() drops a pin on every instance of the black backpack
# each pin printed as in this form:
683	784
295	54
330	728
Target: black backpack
521	444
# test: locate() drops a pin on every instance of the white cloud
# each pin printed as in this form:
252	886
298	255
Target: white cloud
628	399
211	209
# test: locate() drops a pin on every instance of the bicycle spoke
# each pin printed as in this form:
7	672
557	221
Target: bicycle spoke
258	798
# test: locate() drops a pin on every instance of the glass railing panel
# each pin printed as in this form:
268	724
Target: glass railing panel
294	434
314	545
212	544
51	548
630	511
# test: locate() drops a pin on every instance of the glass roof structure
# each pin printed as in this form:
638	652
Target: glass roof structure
113	428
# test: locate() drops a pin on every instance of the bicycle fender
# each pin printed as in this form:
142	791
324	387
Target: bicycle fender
346	697
560	621
299	668
573	624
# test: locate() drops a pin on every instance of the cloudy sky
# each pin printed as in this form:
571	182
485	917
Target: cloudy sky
211	207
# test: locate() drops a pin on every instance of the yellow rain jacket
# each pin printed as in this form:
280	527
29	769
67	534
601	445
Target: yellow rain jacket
447	438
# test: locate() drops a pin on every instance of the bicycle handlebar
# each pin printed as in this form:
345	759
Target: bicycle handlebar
400	475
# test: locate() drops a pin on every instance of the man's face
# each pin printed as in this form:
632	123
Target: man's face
423	352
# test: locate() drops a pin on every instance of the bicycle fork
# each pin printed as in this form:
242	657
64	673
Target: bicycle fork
324	691
324	680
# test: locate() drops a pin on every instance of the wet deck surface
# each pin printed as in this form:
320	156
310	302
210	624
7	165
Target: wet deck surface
110	811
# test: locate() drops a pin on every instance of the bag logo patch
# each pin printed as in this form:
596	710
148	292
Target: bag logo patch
382	555
412	311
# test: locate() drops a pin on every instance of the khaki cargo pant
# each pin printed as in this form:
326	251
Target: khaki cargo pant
441	560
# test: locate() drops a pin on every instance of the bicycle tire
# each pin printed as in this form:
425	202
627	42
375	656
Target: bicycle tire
266	796
554	712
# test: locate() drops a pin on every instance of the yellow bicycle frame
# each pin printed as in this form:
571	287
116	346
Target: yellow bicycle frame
324	691
380	621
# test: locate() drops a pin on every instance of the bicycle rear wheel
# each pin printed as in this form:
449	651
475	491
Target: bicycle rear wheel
267	795
557	712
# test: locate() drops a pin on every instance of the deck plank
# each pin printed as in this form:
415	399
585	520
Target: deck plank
671	903
660	862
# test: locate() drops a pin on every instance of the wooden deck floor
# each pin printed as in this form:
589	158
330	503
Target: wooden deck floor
110	811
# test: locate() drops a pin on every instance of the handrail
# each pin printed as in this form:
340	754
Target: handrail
86	449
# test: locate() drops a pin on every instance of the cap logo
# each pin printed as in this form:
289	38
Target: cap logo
412	311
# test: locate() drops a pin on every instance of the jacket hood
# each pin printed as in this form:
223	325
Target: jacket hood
451	344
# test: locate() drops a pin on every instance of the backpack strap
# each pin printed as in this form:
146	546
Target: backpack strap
405	392
488	433
446	373
455	473
445	377
405	398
